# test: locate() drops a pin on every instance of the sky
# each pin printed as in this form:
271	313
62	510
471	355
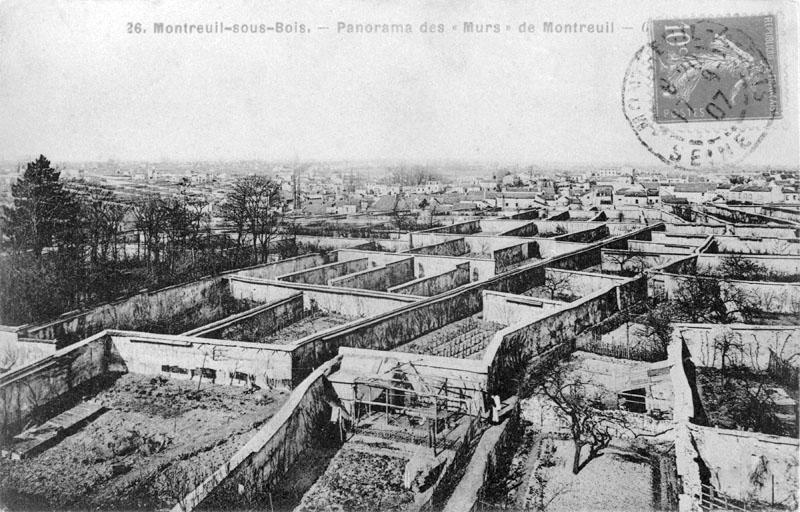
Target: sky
75	85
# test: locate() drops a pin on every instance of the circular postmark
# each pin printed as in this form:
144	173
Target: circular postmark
703	93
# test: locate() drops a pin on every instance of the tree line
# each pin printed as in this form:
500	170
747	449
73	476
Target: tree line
64	248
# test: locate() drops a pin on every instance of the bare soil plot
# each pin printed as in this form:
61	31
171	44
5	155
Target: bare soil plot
306	327
465	339
156	440
360	480
617	480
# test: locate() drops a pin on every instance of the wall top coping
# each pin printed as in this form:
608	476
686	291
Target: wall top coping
734	281
325	288
449	363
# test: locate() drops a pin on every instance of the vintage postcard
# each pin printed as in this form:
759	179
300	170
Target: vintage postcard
399	255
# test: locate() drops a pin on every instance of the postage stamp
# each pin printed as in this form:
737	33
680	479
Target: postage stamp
717	69
703	93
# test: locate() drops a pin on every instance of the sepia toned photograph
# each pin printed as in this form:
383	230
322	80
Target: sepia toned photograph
399	255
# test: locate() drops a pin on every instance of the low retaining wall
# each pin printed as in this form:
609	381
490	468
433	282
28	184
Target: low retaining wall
434	285
269	454
254	324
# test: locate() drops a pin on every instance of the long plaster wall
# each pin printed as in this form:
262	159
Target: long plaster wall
254	324
287	266
332	242
436	284
324	273
19	352
733	456
454	247
583	283
138	352
759	245
679	239
25	391
509	256
513	348
634	261
347	302
768	297
587	236
270	453
661	247
756	342
511	309
378	279
778	264
169	310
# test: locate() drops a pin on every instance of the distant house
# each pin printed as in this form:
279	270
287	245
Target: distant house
695	192
519	200
756	194
598	196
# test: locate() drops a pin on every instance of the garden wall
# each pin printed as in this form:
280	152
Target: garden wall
787	265
169	310
254	324
378	279
436	284
769	297
510	309
324	273
514	347
454	247
270	453
486	463
25	391
746	465
760	245
347	302
756	341
509	256
468	227
287	266
581	284
175	356
585	236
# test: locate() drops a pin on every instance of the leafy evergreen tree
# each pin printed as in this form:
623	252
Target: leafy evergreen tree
44	213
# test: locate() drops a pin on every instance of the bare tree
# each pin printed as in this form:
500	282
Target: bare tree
590	426
253	208
704	299
151	221
557	284
630	262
